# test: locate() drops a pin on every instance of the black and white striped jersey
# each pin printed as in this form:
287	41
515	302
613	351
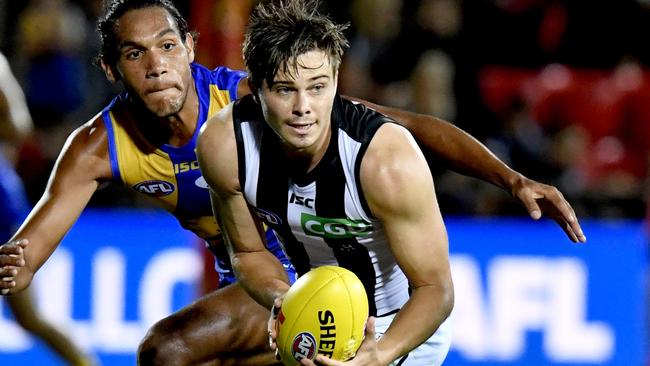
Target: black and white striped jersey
321	217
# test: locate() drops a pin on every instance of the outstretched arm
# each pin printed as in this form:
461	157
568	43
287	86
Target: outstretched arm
82	164
466	155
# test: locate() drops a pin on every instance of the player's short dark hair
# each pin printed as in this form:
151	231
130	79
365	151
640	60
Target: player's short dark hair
114	9
279	31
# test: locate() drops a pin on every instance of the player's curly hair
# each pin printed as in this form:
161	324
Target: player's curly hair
279	31
114	9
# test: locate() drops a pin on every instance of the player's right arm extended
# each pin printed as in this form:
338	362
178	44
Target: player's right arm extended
258	271
81	166
466	155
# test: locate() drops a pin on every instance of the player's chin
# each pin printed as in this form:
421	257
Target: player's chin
164	107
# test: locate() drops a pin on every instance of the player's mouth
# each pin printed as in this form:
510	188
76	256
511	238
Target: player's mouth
301	128
161	91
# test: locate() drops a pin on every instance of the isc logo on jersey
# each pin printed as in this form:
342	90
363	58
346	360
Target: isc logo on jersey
334	228
156	188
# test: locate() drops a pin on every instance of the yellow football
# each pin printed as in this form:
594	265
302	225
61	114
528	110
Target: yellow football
325	311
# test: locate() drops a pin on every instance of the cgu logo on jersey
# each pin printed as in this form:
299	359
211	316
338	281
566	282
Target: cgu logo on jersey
334	228
155	188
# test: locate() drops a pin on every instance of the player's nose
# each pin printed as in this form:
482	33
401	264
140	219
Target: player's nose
301	105
156	65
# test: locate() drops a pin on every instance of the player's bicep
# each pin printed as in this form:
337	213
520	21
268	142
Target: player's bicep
217	155
82	164
242	230
400	192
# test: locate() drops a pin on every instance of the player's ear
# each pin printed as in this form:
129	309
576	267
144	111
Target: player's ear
108	71
189	44
254	90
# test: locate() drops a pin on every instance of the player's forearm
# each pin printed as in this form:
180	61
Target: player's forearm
419	318
261	275
458	149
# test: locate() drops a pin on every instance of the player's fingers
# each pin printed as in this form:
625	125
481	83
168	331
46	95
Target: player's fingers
21	243
571	220
370	328
555	198
577	229
528	198
6	284
11	249
307	362
321	360
11	260
8	271
277	305
574	233
561	211
566	227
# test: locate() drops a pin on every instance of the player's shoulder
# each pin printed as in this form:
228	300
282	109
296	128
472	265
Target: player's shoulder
85	153
216	132
219	122
358	120
392	155
220	75
91	132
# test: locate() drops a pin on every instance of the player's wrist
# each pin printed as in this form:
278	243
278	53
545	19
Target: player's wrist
386	353
511	180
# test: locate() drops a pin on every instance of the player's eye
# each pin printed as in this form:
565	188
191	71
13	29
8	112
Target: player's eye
133	54
282	90
168	46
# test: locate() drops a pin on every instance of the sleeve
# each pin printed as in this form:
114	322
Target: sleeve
228	79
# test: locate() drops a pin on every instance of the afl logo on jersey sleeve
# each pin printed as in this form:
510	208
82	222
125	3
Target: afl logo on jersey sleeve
156	188
268	217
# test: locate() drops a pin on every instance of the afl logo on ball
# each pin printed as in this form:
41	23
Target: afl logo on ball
156	188
304	346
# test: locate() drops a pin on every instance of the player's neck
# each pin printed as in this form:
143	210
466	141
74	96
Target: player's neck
183	124
176	129
306	159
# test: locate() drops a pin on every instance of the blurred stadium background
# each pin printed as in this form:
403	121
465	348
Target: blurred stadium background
560	90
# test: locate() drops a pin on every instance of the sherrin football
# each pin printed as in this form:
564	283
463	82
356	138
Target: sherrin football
325	311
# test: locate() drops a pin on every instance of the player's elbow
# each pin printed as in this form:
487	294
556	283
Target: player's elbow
446	296
23	280
442	294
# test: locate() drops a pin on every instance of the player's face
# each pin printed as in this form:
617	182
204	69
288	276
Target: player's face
298	105
153	62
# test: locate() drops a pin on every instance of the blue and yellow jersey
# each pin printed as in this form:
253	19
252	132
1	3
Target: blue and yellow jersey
167	173
171	174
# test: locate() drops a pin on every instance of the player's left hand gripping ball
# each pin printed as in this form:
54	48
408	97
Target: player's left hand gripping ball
324	312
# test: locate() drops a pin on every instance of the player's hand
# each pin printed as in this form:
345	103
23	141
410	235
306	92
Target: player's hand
367	354
272	326
12	259
542	199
